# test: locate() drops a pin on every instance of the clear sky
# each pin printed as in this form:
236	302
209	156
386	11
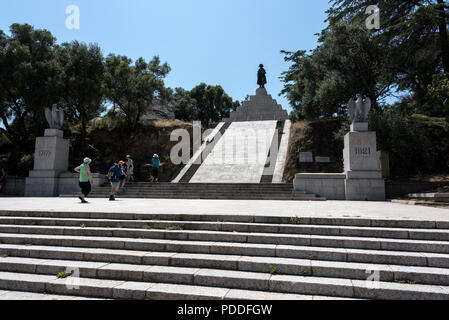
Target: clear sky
212	41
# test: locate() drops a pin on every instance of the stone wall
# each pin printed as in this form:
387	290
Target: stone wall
68	182
15	186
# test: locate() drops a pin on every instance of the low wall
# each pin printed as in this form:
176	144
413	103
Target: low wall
15	186
328	185
68	182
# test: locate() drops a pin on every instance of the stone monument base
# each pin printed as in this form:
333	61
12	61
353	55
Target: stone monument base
51	158
361	179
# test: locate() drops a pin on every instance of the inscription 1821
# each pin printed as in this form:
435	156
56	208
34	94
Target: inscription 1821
363	151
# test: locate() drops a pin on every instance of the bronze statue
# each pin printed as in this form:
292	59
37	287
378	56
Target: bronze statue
261	77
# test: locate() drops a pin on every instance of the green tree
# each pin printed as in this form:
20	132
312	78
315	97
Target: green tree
132	88
83	73
347	61
184	105
439	90
212	103
29	80
414	36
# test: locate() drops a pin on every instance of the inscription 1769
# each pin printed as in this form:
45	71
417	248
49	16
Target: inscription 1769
44	153
363	151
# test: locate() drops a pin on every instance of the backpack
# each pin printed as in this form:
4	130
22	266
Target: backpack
112	175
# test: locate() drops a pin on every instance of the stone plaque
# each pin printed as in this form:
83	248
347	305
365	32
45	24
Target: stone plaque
323	159
306	157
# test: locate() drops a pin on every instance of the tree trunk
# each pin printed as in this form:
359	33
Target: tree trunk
444	43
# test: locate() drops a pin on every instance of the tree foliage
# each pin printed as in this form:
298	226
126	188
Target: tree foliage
29	79
212	103
403	55
82	77
133	87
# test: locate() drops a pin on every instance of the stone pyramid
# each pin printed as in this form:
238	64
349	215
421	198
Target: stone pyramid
261	107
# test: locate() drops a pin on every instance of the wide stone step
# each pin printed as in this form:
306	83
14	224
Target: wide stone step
25	259
113	289
239	237
243	249
117	275
24	296
235	218
395	233
310	253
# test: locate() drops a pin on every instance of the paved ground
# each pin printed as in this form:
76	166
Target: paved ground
337	209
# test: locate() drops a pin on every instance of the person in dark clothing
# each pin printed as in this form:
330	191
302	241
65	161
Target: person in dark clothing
124	175
114	178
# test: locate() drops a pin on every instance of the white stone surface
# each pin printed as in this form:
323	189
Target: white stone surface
240	155
336	209
198	153
282	154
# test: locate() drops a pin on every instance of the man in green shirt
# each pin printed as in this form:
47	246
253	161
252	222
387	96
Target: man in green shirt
86	179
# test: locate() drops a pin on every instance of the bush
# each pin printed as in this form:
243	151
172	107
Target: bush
25	165
416	144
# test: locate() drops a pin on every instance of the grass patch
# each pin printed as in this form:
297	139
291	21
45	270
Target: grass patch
295	220
174	228
273	270
147	227
83	226
306	272
63	275
4	255
405	281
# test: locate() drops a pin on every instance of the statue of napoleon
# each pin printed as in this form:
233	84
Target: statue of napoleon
261	77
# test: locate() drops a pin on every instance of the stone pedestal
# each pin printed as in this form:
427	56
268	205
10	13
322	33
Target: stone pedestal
51	158
261	107
363	179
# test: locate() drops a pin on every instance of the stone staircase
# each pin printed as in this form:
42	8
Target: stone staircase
144	256
210	191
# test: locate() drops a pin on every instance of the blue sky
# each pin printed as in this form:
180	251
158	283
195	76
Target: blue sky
211	41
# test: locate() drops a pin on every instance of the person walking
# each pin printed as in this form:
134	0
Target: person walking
156	164
86	180
130	167
123	176
114	178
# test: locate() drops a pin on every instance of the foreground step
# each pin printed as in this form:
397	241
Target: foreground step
113	289
209	284
28	242
20	295
237	237
237	218
91	264
374	232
